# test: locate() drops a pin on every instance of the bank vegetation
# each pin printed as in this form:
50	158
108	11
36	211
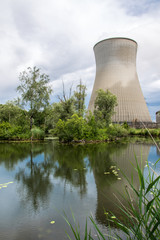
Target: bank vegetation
32	116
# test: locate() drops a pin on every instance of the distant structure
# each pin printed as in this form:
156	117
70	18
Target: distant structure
116	71
158	117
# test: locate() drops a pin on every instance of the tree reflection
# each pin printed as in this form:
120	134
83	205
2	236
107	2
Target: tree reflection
101	161
71	166
45	160
35	178
12	153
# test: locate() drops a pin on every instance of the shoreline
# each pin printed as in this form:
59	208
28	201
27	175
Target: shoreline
137	138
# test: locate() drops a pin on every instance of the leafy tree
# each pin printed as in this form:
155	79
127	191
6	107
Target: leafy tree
62	110
34	90
104	107
91	131
67	106
72	129
79	96
14	115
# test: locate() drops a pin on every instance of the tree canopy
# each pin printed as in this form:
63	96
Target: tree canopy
34	89
79	96
104	107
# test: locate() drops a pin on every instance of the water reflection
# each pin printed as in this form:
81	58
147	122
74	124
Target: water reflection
111	190
12	153
70	166
85	177
43	160
35	185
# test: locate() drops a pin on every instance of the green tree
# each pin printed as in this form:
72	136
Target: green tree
79	96
35	91
104	107
72	129
62	110
65	108
9	112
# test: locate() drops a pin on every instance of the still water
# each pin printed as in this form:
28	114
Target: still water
47	180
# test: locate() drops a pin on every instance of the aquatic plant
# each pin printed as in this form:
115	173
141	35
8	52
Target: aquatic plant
4	185
142	219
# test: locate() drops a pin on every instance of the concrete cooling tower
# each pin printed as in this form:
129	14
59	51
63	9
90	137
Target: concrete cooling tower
116	71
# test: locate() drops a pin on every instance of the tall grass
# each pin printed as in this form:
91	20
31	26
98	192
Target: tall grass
37	133
142	219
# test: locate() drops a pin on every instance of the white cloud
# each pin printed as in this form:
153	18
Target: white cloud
58	37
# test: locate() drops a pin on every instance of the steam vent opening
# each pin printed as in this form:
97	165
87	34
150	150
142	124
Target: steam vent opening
116	71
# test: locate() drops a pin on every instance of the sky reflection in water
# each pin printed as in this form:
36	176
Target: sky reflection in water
49	178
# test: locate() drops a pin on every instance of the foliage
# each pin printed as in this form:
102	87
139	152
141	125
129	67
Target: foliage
104	107
144	132
5	185
34	90
79	96
125	125
37	133
66	107
5	130
116	130
72	129
91	129
8	131
13	114
77	128
62	110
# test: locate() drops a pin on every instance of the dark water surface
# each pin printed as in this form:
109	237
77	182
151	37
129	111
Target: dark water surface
41	181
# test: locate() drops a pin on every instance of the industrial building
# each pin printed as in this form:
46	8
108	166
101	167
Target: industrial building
158	117
116	71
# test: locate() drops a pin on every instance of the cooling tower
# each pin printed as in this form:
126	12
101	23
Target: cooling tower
116	71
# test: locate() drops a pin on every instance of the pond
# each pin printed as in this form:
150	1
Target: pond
41	182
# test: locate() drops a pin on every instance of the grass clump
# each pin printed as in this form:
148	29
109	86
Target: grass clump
37	133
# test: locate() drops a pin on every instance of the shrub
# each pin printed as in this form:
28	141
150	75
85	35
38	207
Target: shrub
102	134
116	130
125	125
7	131
155	132
72	129
37	133
133	131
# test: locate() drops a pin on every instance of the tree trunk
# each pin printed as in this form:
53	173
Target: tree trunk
31	122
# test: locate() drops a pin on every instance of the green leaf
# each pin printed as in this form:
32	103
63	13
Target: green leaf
151	184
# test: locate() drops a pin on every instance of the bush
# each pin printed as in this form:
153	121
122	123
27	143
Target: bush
12	132
116	130
37	133
155	132
91	129
144	132
125	125
133	131
72	129
78	128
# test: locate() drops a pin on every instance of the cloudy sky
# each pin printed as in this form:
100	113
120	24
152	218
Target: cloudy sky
58	36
